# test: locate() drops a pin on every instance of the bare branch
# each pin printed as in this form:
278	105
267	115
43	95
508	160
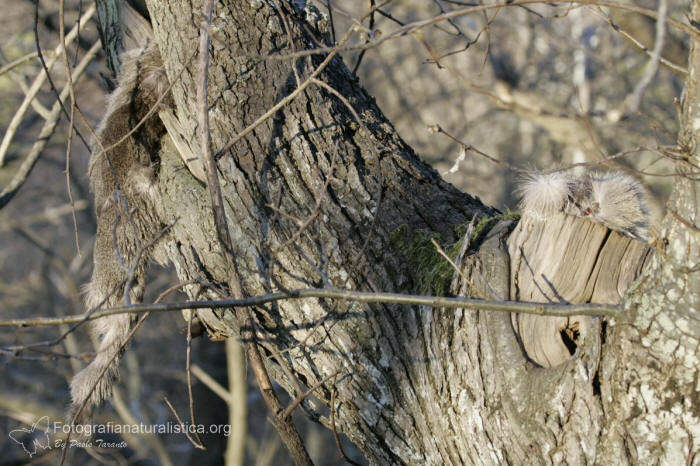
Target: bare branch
412	27
456	302
46	131
194	443
71	119
237	403
36	86
653	64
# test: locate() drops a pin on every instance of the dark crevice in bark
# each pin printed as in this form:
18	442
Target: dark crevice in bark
569	340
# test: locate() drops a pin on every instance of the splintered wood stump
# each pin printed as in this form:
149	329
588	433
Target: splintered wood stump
567	259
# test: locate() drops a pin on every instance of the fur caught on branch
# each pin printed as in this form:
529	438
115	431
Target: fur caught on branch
128	208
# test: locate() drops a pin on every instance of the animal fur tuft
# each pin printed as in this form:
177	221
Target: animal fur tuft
613	199
127	200
142	81
621	203
544	195
94	383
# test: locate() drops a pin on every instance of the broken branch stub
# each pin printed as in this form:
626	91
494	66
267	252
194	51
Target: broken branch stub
567	259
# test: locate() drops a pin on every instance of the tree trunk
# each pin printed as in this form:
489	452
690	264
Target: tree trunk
315	198
649	371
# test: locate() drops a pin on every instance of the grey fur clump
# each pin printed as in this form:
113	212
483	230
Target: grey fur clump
620	204
613	199
544	195
128	209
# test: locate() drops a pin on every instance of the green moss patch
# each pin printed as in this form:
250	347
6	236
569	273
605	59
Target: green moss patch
431	271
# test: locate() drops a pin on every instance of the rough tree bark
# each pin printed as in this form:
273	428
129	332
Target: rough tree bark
414	385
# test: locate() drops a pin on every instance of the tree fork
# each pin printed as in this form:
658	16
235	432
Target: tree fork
423	385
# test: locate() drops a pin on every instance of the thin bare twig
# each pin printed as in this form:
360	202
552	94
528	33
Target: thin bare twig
333	51
69	142
290	38
336	437
471	285
330	20
469	148
421	24
617	28
320	196
369	36
47	130
34	90
50	214
188	372
454	302
340	96
17	62
684	221
126	417
211	384
47	71
302	396
194	443
36	105
653	64
605	158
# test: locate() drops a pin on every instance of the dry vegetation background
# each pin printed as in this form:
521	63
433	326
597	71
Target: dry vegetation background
525	79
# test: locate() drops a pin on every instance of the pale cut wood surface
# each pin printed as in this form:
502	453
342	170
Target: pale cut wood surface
563	258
